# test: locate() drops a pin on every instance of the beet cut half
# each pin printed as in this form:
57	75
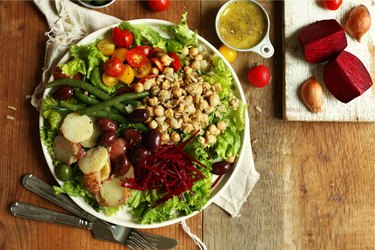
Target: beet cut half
346	77
322	40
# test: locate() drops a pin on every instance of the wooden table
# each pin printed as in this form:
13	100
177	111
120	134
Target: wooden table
317	186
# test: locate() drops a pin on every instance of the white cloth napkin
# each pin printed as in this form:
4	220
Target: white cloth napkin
68	24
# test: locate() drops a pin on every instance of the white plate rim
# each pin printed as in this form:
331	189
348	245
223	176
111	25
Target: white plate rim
217	190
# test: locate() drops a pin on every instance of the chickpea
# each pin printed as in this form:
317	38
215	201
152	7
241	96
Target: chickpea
222	125
202	140
217	87
159	110
152	124
150	111
147	84
188	128
169	113
196	65
166	84
166	60
155	90
231	159
185	51
213	130
165	138
199	57
214	99
153	101
164	95
234	103
175	137
188	70
193	51
210	139
138	87
155	71
177	92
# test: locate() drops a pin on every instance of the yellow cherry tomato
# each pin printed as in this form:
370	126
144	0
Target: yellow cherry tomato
228	53
107	47
120	53
109	80
128	76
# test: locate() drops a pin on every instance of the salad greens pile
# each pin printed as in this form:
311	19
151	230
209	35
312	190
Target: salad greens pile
88	60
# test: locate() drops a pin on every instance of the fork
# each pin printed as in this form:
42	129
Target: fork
44	190
100	229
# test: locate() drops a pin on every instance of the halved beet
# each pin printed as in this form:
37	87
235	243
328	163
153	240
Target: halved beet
322	40
346	77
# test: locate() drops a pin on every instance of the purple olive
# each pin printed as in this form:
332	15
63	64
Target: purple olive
139	115
107	139
132	136
63	93
221	167
106	124
140	154
154	140
122	165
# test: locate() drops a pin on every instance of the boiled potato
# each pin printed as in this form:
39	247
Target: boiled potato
92	182
92	141
112	194
94	160
77	128
66	151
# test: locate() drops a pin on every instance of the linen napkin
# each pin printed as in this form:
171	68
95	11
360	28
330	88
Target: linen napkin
68	24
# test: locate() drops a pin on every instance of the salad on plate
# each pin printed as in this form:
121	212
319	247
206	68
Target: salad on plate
143	120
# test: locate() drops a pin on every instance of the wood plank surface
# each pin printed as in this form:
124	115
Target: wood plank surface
317	185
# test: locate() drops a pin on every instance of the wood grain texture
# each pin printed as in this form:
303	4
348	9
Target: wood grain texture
297	70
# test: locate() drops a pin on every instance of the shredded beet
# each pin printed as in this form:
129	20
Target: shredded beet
170	170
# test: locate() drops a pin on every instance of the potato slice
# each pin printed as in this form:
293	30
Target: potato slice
94	160
77	128
112	194
67	151
105	171
92	182
92	141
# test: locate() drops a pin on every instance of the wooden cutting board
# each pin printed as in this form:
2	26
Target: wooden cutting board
298	14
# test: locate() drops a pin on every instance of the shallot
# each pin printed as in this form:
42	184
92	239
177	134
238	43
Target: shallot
359	22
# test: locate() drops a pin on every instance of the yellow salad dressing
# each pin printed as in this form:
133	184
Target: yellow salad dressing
242	24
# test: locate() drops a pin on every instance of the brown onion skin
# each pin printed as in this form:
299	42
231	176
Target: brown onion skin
358	22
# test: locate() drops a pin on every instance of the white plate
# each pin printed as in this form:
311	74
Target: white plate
123	217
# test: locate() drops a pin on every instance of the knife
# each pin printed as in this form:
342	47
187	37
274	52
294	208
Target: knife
44	190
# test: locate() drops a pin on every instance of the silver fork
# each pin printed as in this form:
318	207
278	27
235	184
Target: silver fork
100	229
44	190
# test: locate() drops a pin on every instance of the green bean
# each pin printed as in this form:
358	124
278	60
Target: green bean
82	85
88	87
71	106
113	101
84	98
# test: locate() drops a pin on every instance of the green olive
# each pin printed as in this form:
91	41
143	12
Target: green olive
63	172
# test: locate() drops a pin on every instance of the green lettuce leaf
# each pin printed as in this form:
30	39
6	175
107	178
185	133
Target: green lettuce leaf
182	33
85	58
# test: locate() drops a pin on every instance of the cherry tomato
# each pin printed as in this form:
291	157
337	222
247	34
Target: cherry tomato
136	58
228	53
143	71
109	80
158	5
176	62
106	46
259	76
145	49
122	38
332	4
157	63
128	76
120	53
113	67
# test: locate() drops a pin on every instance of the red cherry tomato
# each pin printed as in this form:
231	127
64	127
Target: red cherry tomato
259	76
147	50
176	62
157	63
136	58
122	38
332	4
158	5
114	67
